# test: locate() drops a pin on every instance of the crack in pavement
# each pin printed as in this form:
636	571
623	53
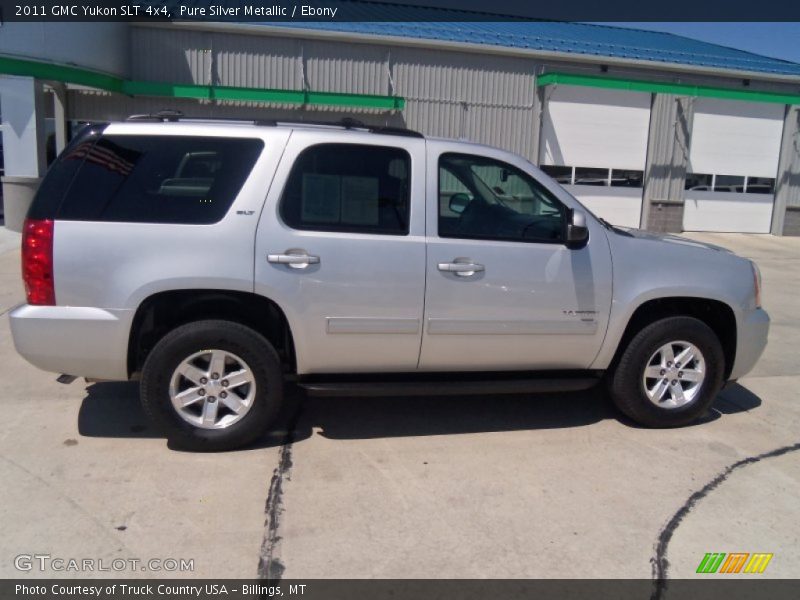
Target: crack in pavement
659	563
269	565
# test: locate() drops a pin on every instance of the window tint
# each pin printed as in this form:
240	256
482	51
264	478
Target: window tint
59	176
482	198
349	187
158	179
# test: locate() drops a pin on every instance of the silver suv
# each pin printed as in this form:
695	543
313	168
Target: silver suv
217	260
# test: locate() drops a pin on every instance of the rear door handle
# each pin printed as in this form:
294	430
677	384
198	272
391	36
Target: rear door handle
293	260
461	267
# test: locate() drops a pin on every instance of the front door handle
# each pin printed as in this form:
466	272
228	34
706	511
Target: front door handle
463	267
294	259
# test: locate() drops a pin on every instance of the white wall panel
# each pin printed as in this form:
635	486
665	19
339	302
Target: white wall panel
727	211
736	138
589	127
617	205
95	45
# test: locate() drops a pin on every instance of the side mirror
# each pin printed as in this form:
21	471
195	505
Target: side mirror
459	202
577	231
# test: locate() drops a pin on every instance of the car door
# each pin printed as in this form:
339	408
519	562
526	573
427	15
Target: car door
504	291
341	249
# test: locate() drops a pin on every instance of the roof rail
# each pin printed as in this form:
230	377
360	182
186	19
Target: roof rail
346	123
173	116
160	116
164	116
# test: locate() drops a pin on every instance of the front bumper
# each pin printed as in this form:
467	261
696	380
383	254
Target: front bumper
751	340
76	340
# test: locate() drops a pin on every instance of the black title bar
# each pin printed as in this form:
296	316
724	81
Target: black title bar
243	11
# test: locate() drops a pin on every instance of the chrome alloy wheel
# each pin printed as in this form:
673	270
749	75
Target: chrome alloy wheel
212	389
674	374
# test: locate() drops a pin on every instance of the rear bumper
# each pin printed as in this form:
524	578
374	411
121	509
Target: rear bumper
76	340
751	340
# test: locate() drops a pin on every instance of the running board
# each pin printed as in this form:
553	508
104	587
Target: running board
446	388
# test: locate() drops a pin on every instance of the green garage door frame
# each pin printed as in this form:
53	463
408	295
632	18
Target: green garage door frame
655	87
111	83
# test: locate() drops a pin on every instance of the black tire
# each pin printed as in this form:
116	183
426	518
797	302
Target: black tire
181	343
627	388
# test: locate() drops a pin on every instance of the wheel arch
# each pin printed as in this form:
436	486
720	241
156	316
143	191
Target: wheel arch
718	315
164	311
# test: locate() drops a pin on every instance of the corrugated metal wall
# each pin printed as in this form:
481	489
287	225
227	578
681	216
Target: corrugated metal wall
490	100
787	183
245	61
668	148
450	94
180	56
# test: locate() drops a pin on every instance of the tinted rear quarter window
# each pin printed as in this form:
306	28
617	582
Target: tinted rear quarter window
59	176
158	179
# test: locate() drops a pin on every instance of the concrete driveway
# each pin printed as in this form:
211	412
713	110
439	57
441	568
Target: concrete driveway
503	487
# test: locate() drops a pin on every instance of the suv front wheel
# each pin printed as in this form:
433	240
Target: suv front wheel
212	385
669	374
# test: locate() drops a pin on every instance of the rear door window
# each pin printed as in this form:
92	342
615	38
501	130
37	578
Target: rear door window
158	179
349	187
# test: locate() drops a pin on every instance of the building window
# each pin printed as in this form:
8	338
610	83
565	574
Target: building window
591	176
728	183
699	182
626	178
760	185
562	175
594	176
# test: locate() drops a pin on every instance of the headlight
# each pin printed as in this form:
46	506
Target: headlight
756	284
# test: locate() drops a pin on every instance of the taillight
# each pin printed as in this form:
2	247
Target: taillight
756	284
37	261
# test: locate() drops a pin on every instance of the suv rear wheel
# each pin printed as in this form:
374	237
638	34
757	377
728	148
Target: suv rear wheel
212	385
669	374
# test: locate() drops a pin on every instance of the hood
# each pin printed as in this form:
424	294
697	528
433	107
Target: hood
669	238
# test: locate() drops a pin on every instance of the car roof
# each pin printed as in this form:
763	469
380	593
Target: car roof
160	124
171	118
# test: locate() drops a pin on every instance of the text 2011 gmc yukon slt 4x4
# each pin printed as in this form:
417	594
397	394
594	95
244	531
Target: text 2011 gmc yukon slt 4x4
217	260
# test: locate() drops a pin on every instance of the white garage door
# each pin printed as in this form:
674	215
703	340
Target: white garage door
595	142
732	165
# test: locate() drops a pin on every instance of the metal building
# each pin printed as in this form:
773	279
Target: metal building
648	129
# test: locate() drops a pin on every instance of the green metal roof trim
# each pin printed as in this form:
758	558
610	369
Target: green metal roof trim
111	83
240	94
681	89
